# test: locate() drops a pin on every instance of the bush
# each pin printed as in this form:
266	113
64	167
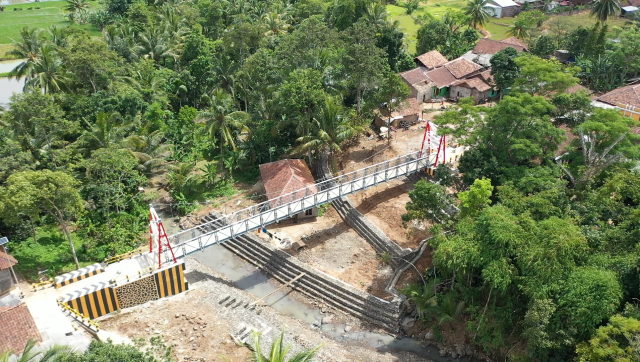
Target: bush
50	253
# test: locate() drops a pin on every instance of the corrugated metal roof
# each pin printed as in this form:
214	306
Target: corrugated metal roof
505	3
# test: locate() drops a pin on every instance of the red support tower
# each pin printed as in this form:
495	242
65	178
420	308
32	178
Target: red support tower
438	154
158	235
427	135
444	149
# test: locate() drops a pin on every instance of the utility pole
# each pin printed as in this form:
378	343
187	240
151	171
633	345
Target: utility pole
3	241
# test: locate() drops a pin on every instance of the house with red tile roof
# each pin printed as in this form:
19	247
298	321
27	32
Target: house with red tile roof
466	76
17	327
431	60
486	48
452	73
477	86
286	181
626	99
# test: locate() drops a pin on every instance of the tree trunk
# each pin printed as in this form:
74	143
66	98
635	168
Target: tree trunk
63	224
483	312
33	230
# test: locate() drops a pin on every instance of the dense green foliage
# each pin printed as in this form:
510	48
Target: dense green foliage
450	35
606	57
98	351
538	265
185	96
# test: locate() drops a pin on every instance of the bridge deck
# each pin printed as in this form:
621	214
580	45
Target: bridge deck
252	218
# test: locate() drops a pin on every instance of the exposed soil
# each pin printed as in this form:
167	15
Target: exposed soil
336	249
384	205
198	327
181	321
411	275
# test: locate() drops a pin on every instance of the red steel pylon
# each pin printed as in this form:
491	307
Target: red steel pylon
157	234
438	154
427	135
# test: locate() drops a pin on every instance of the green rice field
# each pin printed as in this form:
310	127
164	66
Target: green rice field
49	13
497	27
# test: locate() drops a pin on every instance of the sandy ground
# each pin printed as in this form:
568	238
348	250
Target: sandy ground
336	249
198	328
180	321
384	205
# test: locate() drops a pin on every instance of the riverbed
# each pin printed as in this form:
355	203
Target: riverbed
247	277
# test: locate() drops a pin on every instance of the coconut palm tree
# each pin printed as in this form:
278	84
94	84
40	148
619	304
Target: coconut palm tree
520	30
122	39
47	72
28	355
173	22
224	70
78	8
329	131
274	23
104	133
181	177
57	35
604	9
475	9
376	14
76	5
279	351
150	150
223	119
29	48
155	44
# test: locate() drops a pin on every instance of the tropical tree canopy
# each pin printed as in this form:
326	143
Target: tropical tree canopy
603	10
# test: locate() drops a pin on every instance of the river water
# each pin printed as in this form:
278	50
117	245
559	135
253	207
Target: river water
247	277
9	86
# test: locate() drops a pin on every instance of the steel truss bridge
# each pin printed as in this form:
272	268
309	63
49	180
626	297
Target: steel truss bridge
286	206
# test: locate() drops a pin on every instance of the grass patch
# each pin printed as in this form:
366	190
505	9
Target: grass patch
583	19
498	32
571	22
51	253
435	7
49	13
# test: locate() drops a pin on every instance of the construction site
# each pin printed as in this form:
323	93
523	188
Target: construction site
323	256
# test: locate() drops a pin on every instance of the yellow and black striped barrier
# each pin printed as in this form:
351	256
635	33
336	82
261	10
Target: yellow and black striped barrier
79	316
98	302
171	281
76	275
44	284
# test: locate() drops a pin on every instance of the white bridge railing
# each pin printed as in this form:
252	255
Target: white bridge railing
254	217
